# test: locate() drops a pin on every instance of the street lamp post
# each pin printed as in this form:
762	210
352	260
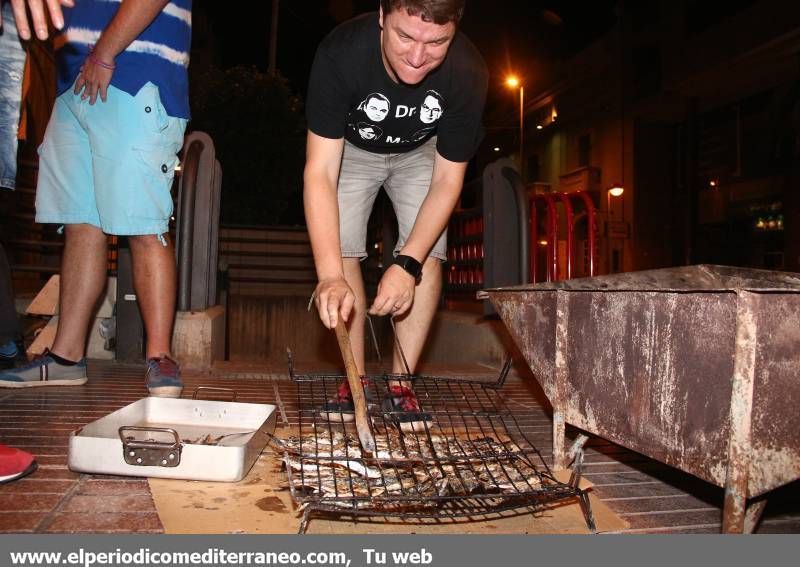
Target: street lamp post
514	82
273	38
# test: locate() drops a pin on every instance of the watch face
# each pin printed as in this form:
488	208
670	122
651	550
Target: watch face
410	265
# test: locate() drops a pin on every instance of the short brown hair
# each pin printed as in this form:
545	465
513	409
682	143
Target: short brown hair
437	11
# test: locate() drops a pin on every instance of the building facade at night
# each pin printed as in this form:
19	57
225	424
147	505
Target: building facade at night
694	108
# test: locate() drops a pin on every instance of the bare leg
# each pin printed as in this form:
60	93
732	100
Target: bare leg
413	327
412	331
352	273
154	277
83	277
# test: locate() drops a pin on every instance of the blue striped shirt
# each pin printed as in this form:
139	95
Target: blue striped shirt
159	55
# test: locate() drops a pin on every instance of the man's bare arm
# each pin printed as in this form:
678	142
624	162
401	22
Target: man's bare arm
333	295
130	20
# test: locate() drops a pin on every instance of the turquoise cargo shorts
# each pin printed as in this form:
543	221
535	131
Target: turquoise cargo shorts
110	164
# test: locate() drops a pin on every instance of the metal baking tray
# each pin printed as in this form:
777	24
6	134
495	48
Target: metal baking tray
190	439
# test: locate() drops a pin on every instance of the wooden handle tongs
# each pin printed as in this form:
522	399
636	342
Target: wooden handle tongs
356	389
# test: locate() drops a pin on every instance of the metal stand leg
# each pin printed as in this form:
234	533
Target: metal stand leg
559	450
733	512
741	416
306	519
575	454
753	515
586	507
559	400
575	457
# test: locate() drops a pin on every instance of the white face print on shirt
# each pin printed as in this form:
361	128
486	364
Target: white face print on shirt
375	106
431	108
368	131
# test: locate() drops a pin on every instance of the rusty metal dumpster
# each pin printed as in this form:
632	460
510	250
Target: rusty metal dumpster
697	367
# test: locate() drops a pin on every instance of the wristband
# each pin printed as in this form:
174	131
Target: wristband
410	265
91	58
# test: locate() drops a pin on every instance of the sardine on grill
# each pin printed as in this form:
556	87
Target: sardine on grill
407	472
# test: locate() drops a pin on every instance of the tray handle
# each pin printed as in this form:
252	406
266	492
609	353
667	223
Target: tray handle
233	394
150	452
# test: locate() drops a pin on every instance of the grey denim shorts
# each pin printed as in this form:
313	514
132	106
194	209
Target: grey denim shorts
406	178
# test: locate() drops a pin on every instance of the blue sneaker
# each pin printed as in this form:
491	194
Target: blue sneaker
163	377
8	354
9	349
44	371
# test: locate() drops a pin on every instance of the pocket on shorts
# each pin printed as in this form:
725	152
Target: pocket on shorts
158	164
148	100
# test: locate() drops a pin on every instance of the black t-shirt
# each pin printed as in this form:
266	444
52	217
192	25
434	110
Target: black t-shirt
351	95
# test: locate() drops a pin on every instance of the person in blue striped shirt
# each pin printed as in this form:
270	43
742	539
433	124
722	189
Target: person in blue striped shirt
106	167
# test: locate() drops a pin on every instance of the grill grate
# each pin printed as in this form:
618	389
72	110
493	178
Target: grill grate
471	459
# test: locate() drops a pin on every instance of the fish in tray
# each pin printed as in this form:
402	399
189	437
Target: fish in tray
210	439
407	472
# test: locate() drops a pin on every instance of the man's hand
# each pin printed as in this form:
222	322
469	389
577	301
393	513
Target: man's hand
395	292
131	19
38	16
94	78
334	298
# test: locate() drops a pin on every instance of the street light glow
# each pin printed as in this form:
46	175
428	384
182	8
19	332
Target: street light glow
514	82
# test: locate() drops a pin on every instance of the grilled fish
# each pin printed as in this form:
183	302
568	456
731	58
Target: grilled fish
408	472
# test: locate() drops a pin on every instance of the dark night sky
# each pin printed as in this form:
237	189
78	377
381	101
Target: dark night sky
511	35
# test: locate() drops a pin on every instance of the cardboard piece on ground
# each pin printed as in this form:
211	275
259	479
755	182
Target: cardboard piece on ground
259	504
96	343
46	301
45	338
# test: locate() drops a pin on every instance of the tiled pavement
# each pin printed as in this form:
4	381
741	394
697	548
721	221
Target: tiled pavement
650	496
55	499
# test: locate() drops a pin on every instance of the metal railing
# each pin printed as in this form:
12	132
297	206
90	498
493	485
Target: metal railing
198	224
551	222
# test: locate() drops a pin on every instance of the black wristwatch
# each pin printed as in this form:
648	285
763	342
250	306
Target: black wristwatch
410	265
